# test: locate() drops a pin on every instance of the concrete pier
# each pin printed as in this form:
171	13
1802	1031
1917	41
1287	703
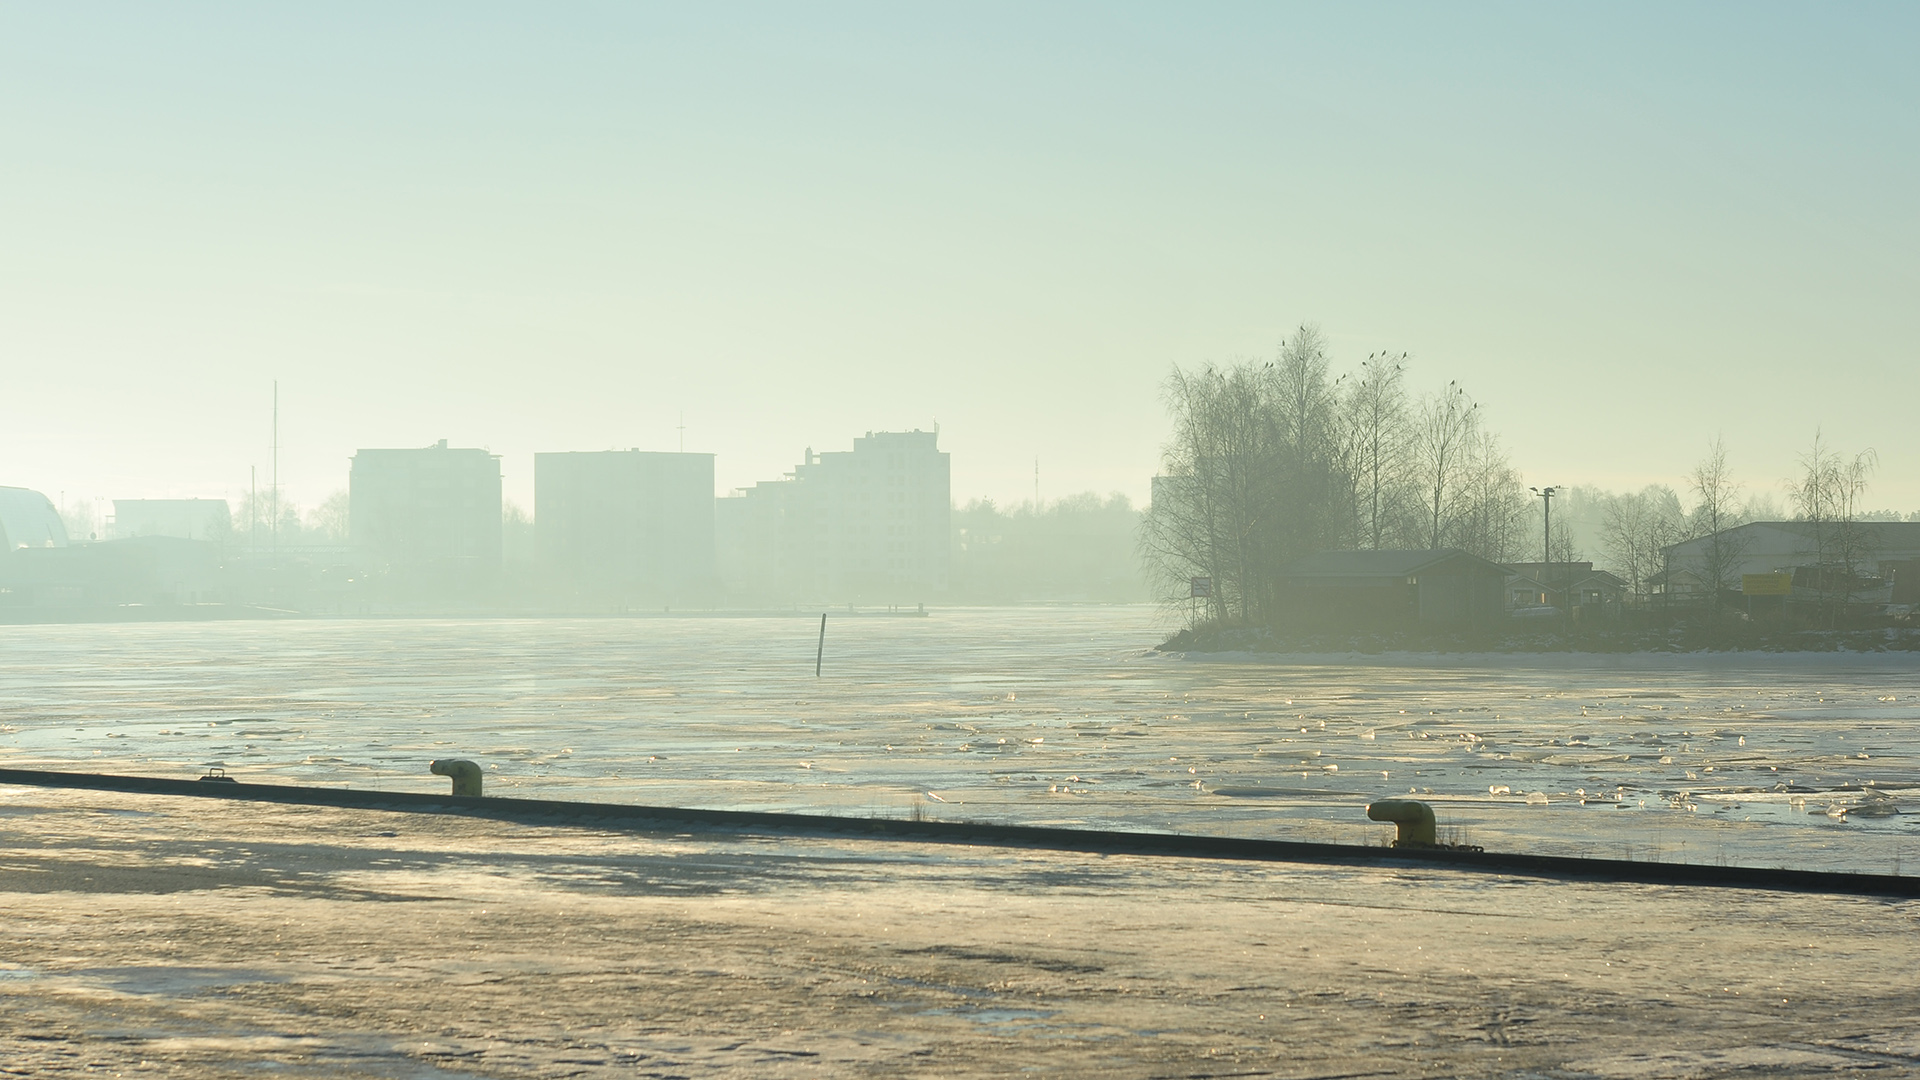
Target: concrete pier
157	935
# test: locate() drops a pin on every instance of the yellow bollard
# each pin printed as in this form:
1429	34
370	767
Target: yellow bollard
1414	818
466	776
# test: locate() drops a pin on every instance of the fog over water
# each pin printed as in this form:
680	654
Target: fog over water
519	384
752	230
1043	715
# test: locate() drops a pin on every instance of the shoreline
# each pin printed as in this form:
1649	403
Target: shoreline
203	613
1585	659
1248	643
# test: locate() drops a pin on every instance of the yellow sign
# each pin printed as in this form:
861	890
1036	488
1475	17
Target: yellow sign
1766	584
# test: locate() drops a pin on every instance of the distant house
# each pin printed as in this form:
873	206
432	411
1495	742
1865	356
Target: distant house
1446	587
1569	586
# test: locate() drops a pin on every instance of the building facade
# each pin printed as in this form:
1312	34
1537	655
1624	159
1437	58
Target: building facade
1766	547
1384	589
1565	586
433	508
872	524
627	525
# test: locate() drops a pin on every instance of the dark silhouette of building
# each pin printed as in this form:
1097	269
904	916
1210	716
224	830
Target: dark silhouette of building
1383	589
154	573
1567	586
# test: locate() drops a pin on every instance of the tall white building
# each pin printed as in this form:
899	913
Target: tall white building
871	524
437	506
627	525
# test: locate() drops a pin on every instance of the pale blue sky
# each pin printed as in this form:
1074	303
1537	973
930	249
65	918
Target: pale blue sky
554	227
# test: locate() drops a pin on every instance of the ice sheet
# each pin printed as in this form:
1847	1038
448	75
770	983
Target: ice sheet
1033	715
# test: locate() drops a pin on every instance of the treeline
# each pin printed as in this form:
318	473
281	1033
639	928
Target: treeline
258	521
1273	460
1630	532
1633	533
1080	548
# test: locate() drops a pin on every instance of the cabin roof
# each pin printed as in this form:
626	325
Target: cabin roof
1352	564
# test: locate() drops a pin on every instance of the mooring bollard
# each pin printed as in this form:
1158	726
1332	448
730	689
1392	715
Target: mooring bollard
466	775
1414	818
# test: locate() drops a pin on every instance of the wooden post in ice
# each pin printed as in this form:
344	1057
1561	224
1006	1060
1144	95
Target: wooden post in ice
821	652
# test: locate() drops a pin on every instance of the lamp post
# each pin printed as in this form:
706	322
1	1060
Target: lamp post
1546	545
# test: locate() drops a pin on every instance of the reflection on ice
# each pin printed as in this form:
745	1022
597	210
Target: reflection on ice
1041	716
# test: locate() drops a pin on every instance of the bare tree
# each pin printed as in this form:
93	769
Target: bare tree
1375	430
1208	508
1302	393
1492	505
81	519
1716	512
329	519
1446	426
1637	527
1306	467
1272	461
1624	522
1827	497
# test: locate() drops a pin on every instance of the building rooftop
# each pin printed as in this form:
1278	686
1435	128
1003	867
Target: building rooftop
1376	563
1886	534
28	519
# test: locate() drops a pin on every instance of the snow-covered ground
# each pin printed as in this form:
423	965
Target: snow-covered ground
155	936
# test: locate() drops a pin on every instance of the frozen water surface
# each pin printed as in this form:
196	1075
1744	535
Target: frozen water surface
1032	715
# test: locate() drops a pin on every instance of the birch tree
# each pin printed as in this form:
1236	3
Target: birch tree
1446	426
1715	512
1208	512
1827	497
1376	429
1306	465
1636	527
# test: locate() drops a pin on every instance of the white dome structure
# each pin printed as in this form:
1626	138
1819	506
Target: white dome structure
28	519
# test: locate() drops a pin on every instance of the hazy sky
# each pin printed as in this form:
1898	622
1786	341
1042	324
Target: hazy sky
558	226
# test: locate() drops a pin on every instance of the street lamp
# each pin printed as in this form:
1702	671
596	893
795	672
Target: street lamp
1546	546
